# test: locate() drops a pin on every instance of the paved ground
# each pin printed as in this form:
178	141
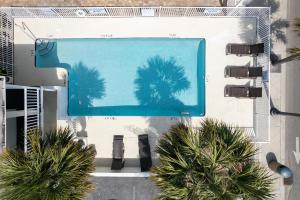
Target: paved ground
285	93
277	86
109	3
292	97
118	188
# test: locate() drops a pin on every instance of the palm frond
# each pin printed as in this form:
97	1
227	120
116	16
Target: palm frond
295	52
212	161
297	25
56	168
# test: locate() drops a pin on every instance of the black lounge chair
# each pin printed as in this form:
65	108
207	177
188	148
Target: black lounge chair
118	153
145	153
244	49
241	91
243	72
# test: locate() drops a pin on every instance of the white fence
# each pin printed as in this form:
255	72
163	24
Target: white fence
32	110
233	2
6	43
58	12
261	107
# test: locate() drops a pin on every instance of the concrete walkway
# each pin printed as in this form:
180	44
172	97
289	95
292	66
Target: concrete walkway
120	188
292	103
283	89
285	94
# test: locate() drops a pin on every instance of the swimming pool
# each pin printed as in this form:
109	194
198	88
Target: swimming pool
129	76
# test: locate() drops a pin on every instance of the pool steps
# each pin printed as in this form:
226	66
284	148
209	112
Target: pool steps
44	46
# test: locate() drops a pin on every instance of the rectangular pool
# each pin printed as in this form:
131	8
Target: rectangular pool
129	76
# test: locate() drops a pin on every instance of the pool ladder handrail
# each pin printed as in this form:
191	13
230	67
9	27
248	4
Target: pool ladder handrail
24	27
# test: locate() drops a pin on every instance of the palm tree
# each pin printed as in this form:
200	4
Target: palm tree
55	168
211	162
294	52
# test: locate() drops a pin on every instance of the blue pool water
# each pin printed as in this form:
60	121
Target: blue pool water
129	76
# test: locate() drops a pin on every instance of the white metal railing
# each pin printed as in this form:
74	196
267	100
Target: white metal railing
2	114
233	2
63	12
6	43
32	115
262	15
249	131
31	111
24	28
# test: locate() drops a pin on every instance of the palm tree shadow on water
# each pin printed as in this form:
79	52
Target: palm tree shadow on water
160	81
85	83
85	86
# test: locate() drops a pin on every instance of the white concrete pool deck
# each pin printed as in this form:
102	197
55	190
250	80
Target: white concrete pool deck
217	32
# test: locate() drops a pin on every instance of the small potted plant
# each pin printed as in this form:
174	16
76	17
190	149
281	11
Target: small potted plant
3	72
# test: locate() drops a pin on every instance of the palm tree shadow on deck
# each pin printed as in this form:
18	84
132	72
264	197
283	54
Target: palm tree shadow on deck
277	26
78	126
